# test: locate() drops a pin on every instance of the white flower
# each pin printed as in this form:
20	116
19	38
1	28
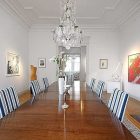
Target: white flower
52	59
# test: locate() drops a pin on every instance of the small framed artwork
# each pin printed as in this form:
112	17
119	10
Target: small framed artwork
134	68
103	63
42	63
12	64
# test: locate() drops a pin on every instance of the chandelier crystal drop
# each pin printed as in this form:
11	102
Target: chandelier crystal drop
68	34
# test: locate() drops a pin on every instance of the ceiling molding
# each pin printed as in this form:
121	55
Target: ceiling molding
10	12
131	12
28	8
17	10
83	27
20	11
113	7
44	17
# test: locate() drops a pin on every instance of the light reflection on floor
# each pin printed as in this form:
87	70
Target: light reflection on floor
75	91
77	86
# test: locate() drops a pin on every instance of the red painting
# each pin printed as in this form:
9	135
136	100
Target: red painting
134	68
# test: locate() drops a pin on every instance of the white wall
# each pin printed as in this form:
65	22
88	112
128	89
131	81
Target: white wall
103	44
13	38
41	45
130	44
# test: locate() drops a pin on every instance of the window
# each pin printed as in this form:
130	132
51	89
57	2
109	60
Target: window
73	63
77	64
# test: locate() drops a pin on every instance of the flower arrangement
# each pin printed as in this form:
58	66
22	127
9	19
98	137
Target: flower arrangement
60	60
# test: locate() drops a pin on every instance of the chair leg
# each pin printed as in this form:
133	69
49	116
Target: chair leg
33	99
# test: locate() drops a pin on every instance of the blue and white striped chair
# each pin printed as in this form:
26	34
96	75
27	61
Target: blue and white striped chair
46	83
14	97
117	103
3	106
92	84
35	87
99	89
8	101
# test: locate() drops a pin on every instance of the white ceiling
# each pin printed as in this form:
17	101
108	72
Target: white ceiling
88	12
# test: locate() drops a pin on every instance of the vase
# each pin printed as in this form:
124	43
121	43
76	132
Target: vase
61	83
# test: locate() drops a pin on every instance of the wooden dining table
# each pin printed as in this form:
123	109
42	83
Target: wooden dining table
43	118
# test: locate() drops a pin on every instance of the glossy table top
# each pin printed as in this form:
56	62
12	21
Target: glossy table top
87	118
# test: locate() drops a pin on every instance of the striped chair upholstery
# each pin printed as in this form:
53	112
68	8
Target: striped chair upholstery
3	106
117	103
46	83
92	84
14	97
99	89
35	87
8	101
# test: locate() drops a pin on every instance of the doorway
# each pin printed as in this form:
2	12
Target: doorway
72	69
76	63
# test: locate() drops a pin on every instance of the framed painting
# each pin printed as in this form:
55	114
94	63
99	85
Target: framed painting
12	64
103	63
42	62
134	68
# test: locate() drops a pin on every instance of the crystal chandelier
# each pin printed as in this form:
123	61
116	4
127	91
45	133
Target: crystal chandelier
68	34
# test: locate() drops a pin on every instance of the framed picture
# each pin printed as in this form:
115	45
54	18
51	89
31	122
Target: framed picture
42	63
103	63
12	64
134	68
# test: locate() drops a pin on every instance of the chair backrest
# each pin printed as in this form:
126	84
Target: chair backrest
8	101
92	84
100	87
46	82
117	103
35	87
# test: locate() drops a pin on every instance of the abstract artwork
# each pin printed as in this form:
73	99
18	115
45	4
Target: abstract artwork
134	68
12	61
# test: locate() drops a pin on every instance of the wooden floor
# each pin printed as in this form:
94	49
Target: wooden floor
132	110
24	97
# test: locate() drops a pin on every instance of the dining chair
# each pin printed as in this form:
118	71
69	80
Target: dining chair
100	87
117	103
3	106
35	87
46	83
14	97
92	84
8	101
